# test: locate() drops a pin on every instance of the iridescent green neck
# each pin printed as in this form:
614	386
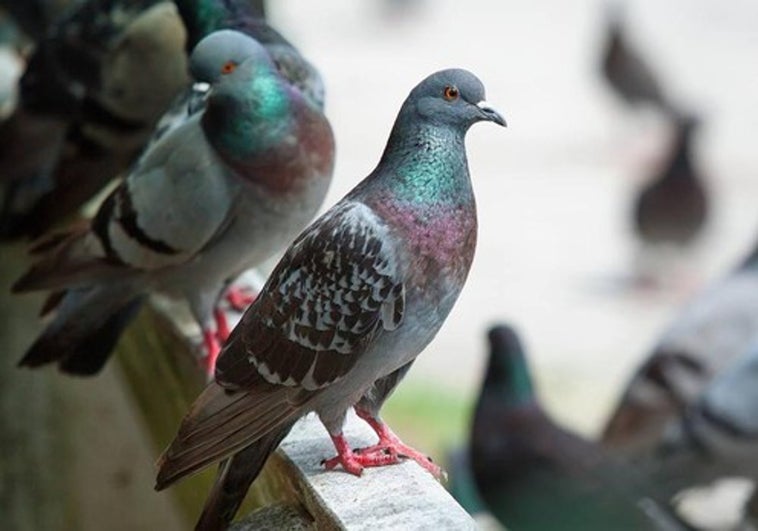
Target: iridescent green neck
508	378
429	165
244	122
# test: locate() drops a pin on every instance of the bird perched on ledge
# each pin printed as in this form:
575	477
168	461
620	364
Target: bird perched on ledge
346	311
219	194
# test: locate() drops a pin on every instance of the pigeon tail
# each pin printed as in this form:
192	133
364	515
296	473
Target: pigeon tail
84	332
235	475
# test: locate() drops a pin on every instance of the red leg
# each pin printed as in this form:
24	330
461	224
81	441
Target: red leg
239	298
212	350
222	325
353	462
391	443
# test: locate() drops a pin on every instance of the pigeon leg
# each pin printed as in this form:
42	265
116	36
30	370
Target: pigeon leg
222	325
240	297
389	443
353	462
212	350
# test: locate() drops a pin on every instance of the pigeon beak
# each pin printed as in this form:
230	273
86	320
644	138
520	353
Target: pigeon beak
490	114
201	87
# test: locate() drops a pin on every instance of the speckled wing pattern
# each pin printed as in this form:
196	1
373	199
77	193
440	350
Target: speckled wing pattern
335	289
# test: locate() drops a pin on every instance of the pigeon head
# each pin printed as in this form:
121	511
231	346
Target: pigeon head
508	372
453	98
222	52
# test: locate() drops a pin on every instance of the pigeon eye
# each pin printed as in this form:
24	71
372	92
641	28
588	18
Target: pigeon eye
229	67
450	93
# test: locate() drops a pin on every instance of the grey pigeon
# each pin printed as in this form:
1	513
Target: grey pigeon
534	474
202	17
353	301
709	334
672	207
717	435
219	194
723	423
96	87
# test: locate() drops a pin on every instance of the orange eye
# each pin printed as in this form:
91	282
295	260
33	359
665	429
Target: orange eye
451	93
229	67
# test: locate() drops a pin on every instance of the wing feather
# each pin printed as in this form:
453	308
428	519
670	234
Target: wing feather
334	290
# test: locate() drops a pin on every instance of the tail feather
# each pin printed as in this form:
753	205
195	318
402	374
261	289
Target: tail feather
222	422
235	475
84	332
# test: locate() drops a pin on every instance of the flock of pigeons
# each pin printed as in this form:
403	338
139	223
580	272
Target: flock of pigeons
689	414
212	125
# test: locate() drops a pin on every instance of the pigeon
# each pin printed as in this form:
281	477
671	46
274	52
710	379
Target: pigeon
221	193
673	206
625	70
722	424
354	300
716	437
708	335
92	92
83	75
536	475
202	17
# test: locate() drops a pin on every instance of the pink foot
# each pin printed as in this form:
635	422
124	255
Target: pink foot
390	444
354	462
239	298
212	350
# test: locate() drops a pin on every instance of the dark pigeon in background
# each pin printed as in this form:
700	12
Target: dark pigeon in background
92	92
624	68
34	17
534	474
348	308
672	207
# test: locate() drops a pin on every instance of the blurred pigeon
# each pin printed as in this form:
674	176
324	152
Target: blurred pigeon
34	17
348	308
673	206
534	474
107	73
715	438
91	95
624	68
219	194
709	334
723	421
202	17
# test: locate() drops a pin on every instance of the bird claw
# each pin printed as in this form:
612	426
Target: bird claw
401	450
355	462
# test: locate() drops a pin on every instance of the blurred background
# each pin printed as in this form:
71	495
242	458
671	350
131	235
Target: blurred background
557	254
